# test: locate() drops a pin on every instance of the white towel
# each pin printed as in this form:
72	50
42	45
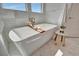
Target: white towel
59	53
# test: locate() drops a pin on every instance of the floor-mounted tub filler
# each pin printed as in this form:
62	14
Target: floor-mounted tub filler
28	40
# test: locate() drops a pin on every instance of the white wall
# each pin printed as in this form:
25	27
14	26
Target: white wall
54	12
72	28
3	50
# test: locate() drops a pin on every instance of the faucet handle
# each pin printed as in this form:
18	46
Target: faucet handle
33	20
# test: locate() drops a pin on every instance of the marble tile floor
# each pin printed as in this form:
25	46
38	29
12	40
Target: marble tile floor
49	49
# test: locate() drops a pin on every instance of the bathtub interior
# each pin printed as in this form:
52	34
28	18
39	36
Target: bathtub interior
28	47
21	33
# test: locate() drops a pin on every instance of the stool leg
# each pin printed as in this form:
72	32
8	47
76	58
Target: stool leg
61	38
55	39
63	41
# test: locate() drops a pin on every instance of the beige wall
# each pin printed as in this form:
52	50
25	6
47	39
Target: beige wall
73	23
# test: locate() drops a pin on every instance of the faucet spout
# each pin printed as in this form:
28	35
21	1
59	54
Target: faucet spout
31	22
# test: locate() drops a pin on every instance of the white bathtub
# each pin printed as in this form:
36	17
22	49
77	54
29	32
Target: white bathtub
28	40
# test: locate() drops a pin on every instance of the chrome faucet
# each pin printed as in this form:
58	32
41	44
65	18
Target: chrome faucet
31	22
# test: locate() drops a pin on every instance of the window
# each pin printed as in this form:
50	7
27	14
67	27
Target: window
36	7
14	6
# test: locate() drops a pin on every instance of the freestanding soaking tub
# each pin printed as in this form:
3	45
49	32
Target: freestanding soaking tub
28	40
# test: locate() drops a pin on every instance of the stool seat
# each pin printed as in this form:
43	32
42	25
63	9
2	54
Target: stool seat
59	33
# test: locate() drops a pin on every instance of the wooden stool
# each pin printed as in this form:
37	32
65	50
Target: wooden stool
59	35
